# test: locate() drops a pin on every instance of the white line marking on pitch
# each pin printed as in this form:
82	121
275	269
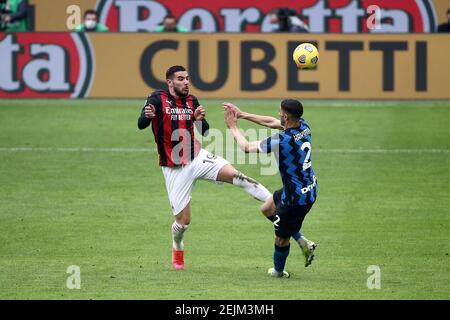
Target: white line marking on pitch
128	150
383	150
49	149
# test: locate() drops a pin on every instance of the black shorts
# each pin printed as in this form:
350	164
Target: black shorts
288	218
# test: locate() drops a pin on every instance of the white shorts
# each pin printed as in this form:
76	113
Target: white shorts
180	180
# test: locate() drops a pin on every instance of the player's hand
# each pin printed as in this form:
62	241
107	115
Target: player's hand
149	111
230	118
199	113
235	109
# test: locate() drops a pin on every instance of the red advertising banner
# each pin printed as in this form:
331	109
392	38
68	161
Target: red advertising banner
45	65
336	16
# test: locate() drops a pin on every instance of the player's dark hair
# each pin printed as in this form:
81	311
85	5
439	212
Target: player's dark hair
448	11
292	107
90	11
172	70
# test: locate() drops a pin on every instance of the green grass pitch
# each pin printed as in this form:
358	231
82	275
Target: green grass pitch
384	199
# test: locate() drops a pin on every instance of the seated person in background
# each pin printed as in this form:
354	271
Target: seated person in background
170	25
14	15
91	23
445	27
286	20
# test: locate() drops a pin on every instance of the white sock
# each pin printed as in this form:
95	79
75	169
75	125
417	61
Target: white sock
302	241
252	187
177	235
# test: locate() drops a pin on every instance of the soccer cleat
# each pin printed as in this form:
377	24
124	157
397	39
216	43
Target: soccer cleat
178	259
308	251
277	274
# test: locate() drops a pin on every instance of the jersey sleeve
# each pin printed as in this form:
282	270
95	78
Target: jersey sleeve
195	102
202	126
155	100
270	144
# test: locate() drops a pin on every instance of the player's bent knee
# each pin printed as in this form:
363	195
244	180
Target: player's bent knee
266	210
268	207
182	220
226	174
184	217
281	242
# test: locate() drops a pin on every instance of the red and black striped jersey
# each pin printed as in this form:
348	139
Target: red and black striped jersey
173	127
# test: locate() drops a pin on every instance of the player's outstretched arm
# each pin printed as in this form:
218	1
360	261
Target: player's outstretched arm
246	146
265	121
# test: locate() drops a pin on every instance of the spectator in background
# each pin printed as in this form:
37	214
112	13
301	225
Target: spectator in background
445	27
91	24
286	20
14	15
170	24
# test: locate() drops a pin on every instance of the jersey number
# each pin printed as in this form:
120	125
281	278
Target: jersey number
277	219
307	161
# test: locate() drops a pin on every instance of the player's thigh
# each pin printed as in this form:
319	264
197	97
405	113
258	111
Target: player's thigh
290	219
286	222
277	196
207	166
268	207
179	185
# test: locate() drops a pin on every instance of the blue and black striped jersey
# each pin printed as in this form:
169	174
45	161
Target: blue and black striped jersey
292	149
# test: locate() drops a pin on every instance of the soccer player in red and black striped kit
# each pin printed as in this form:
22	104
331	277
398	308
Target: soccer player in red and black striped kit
172	114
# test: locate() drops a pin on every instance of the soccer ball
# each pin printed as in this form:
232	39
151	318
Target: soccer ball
306	56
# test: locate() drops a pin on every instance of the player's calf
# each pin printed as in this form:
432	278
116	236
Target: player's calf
178	245
179	227
230	175
251	186
177	235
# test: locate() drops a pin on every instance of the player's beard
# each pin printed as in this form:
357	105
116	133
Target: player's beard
181	92
282	122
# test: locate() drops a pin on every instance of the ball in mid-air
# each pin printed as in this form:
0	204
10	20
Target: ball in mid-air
306	56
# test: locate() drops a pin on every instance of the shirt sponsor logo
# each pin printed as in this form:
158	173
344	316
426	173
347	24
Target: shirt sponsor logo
311	186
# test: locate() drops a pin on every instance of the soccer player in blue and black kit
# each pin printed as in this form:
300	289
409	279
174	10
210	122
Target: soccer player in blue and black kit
288	206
